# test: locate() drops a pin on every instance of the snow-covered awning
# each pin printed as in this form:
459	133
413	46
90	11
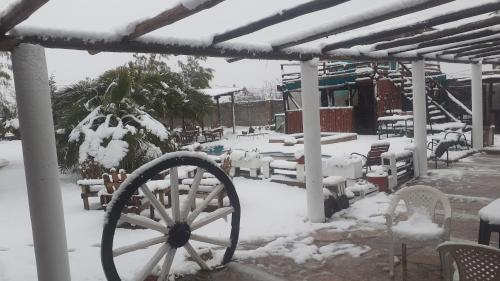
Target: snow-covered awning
219	92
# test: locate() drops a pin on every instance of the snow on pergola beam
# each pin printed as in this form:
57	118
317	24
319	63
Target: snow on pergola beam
168	17
472	47
453	39
428	36
477	51
173	46
380	14
447	48
19	12
282	16
486	54
428	23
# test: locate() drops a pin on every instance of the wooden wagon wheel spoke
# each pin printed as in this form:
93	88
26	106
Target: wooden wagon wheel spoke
157	204
218	214
174	191
139	245
192	193
144	222
146	270
167	264
205	203
211	240
192	252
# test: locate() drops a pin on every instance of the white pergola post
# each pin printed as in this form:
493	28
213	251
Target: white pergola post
419	115
477	105
40	162
312	140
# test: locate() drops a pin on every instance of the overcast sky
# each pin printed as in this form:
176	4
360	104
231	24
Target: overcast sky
112	15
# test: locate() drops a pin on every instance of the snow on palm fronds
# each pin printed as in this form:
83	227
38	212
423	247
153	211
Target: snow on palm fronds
117	133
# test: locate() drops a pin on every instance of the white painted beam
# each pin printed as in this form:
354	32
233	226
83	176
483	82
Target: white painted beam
312	140
40	162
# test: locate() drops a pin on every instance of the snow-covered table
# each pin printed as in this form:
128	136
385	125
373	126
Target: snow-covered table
397	124
489	222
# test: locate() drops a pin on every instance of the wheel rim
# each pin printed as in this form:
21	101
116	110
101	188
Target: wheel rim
177	229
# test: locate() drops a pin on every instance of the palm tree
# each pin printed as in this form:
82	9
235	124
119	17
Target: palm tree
116	131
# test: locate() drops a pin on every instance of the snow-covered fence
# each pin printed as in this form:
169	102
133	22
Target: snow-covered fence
399	166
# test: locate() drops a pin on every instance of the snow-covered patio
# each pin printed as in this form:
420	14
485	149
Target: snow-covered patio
275	234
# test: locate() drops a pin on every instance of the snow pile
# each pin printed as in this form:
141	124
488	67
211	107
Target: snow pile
302	250
362	187
491	213
370	209
12	123
419	226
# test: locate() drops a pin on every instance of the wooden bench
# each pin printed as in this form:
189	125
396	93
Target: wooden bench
91	182
137	202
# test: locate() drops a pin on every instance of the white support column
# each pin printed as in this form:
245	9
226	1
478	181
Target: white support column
420	115
312	140
477	105
40	162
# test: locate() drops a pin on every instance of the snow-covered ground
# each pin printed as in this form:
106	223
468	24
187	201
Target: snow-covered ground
270	212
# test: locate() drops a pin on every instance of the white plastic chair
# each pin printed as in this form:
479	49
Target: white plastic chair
474	262
421	201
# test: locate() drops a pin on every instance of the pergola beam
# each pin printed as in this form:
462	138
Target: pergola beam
461	44
482	54
282	16
18	13
357	22
428	36
472	47
430	22
167	17
458	38
172	46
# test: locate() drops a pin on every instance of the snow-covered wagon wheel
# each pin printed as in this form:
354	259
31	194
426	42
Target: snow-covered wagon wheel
179	230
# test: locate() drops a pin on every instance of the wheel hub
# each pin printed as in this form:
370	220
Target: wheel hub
179	235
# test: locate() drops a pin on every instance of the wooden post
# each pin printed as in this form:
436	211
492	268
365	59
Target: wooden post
232	112
218	111
477	105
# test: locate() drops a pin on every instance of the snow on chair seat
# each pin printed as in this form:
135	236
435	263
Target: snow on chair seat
425	206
